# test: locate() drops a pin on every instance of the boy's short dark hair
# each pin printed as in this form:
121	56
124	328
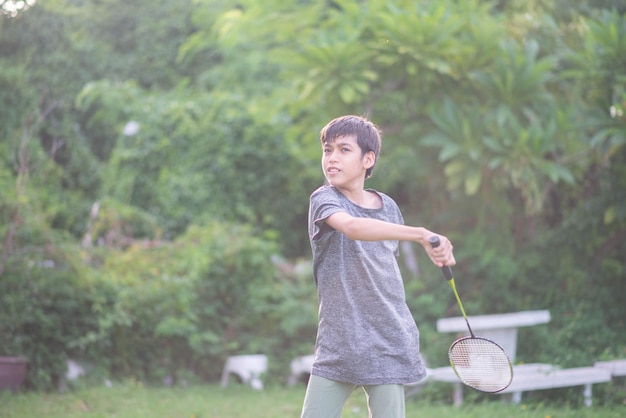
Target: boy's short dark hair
368	135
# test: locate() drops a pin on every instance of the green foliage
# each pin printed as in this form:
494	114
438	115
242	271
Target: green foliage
47	307
581	278
157	309
502	138
16	100
600	65
201	158
182	307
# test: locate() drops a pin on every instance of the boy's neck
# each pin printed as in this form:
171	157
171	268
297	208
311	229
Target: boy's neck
362	197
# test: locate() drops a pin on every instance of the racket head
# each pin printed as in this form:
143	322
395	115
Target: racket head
481	364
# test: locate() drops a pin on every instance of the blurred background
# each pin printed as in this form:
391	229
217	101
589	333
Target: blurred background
156	160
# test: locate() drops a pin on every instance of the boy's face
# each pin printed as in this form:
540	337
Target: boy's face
343	164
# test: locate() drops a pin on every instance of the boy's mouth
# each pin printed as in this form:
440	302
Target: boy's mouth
332	170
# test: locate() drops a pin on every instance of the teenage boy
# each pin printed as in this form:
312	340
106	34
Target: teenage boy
366	335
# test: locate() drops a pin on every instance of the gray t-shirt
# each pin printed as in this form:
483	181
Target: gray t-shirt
366	333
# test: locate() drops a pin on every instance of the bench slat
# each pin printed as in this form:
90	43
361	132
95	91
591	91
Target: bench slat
534	376
615	367
494	321
578	376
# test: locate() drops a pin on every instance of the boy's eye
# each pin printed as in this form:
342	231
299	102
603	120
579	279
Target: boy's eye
341	149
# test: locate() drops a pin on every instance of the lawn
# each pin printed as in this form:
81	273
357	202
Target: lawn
133	400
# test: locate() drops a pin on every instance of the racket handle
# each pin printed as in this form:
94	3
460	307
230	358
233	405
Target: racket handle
447	271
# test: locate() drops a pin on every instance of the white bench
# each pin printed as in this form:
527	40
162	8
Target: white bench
558	378
446	374
248	368
534	376
500	328
300	366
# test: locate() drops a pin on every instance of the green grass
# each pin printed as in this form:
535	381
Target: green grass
133	400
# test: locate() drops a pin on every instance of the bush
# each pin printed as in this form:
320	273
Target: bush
182	307
46	307
156	310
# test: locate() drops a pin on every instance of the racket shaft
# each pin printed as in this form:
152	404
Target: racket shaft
458	300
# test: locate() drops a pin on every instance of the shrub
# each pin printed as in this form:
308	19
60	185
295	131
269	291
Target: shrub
182	307
46	307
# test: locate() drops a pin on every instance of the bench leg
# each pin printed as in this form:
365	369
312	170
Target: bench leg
587	395
516	397
457	396
224	380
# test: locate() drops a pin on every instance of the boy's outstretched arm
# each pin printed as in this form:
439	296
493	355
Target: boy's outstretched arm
368	229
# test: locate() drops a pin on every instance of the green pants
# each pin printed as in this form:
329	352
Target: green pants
325	399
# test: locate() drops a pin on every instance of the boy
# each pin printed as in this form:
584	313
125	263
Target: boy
366	334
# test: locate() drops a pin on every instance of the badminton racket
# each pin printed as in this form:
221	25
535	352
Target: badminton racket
478	362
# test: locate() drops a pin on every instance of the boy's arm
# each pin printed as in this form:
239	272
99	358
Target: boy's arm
368	229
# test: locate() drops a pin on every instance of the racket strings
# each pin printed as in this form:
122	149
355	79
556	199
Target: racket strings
481	364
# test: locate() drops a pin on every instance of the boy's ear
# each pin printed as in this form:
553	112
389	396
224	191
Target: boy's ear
369	159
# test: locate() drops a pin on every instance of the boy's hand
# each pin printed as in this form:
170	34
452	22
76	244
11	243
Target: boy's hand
442	255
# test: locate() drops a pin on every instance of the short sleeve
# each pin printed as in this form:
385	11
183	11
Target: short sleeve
324	202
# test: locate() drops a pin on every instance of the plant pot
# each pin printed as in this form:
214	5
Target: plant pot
12	373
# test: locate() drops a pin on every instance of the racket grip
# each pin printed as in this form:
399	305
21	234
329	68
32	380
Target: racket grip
446	270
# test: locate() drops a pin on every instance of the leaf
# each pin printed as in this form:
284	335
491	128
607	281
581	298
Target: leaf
472	183
347	93
494	163
609	215
435	139
493	144
449	151
454	168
